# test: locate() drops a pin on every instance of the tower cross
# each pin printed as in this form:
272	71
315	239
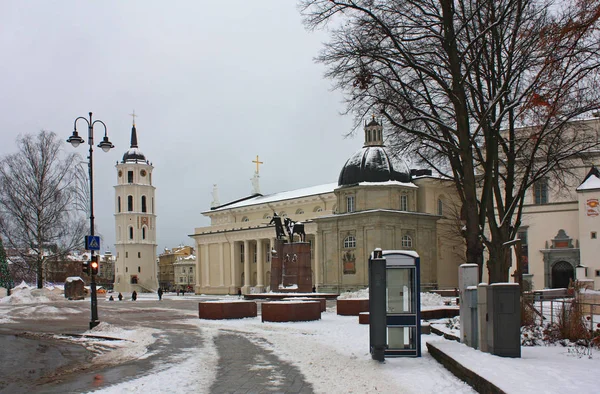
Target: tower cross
257	163
133	115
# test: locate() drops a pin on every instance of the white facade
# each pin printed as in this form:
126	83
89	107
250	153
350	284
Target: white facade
135	223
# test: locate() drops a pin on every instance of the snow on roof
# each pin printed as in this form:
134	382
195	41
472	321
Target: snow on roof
593	182
388	183
73	279
289	195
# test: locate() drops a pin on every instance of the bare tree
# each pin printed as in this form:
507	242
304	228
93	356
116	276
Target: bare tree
39	217
456	81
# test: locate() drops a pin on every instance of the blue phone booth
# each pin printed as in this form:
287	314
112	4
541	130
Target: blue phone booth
400	290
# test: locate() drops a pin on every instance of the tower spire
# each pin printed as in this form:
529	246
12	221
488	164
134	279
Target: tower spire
134	143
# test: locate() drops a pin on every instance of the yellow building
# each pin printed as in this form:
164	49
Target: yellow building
372	205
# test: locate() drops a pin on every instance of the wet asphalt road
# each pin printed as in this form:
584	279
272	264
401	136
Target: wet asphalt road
33	360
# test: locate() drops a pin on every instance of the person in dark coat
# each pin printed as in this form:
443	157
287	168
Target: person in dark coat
239	293
134	295
160	293
111	298
182	292
120	297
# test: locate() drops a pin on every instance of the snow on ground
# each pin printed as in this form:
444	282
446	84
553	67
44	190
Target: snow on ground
333	355
28	295
132	344
197	368
541	369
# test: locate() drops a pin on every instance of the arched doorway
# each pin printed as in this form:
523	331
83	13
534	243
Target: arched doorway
562	273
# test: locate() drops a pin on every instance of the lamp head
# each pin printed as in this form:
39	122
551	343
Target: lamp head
75	139
106	145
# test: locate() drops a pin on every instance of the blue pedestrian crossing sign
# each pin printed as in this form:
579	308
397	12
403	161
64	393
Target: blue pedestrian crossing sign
92	242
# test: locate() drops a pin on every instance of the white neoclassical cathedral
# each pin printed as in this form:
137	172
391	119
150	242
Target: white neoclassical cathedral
135	222
373	204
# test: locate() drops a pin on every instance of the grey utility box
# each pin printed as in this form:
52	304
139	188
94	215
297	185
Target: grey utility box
504	319
471	332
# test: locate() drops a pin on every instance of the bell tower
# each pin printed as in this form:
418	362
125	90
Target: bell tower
135	222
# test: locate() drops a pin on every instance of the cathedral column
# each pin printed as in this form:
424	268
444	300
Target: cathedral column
198	270
206	265
222	263
260	266
317	256
233	269
247	272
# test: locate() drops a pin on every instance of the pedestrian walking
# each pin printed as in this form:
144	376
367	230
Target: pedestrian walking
182	292
240	292
111	298
120	297
160	292
134	296
177	292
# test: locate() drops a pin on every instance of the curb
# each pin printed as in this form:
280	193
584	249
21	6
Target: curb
478	383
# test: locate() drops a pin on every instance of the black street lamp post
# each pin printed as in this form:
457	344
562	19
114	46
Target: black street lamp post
106	145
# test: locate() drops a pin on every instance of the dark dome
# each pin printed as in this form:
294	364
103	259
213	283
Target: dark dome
133	155
370	164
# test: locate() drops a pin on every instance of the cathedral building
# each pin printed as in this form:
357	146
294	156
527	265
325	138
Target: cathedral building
135	222
374	204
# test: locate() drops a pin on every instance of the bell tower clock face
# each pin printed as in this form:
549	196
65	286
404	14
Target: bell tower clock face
120	173
143	173
144	220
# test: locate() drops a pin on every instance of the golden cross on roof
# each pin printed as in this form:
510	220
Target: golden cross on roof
257	163
133	115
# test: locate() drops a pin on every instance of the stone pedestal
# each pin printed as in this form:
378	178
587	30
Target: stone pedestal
290	268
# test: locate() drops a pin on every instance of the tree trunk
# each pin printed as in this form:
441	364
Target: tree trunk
40	274
499	264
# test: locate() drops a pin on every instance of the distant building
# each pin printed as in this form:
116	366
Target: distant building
166	268
185	272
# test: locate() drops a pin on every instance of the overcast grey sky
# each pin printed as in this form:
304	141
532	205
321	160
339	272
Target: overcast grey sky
214	84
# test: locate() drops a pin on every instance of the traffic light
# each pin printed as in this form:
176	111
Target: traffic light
85	267
95	265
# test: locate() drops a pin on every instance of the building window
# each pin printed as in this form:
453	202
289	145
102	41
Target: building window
318	209
144	232
245	219
350	242
440	207
143	203
139	269
130	176
139	255
130	203
191	272
126	254
540	192
404	202
597	273
407	241
152	204
255	248
594	235
283	214
522	235
299	212
126	269
241	253
119	204
350	204
130	232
